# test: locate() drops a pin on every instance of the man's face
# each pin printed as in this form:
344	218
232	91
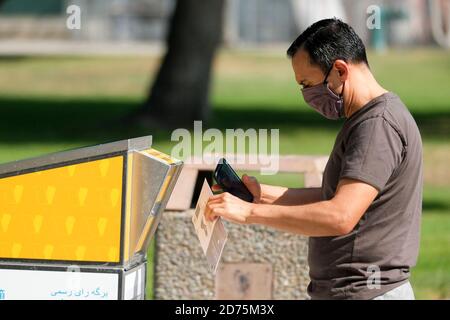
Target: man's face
308	75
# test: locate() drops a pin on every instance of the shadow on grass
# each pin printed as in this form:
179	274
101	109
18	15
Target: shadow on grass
436	205
41	120
13	58
72	120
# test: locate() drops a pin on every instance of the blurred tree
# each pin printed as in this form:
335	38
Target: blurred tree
180	92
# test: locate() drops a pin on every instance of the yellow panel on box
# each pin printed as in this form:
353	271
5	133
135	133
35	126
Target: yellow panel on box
98	204
67	213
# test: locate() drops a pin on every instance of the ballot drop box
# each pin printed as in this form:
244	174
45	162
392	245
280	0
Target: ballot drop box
77	224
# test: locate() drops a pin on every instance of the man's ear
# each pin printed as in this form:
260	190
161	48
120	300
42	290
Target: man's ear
342	68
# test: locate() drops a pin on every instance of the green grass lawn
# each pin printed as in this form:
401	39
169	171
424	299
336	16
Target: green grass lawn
54	103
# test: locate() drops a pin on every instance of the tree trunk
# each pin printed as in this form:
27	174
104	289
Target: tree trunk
180	93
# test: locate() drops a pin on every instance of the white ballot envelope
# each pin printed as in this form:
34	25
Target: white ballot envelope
212	235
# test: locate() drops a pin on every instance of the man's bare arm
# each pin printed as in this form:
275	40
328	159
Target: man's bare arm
269	194
333	217
289	196
337	216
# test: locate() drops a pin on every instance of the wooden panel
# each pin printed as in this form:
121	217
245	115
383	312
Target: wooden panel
313	179
181	196
287	163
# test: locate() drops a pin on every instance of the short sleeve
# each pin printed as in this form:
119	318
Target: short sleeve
372	152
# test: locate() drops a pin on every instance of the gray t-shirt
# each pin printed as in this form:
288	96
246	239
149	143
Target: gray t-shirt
380	145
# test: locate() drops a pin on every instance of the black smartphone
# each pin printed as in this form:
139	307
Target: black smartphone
230	182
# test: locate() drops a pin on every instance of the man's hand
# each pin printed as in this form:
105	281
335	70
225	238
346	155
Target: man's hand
229	207
252	185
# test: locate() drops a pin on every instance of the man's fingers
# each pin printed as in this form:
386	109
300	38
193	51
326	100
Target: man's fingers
248	180
217	212
211	211
223	195
252	184
215	201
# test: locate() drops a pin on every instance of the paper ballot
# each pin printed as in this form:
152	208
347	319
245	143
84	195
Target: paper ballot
212	235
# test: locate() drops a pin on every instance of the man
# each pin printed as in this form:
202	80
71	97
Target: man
364	222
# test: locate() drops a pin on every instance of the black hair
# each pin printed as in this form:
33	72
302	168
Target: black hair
328	40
